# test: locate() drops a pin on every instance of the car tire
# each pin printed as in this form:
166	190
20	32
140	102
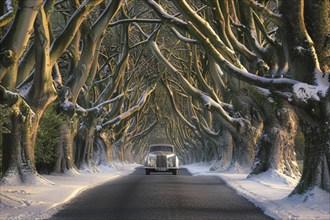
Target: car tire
175	172
147	172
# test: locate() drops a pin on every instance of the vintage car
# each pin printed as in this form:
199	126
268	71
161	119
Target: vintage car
161	158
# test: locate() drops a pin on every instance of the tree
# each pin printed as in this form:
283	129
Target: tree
241	77
309	86
36	92
27	108
84	71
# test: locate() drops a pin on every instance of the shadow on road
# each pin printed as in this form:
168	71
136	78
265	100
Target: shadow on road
140	171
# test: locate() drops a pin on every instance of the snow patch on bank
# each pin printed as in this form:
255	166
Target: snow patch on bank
270	191
40	201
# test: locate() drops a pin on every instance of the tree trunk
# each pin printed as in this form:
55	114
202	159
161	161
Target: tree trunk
26	110
100	152
317	162
297	42
116	151
84	144
276	146
316	168
225	147
108	140
127	154
18	146
13	43
248	130
64	157
243	152
314	115
318	26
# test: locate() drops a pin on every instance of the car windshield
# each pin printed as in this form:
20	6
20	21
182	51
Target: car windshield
161	148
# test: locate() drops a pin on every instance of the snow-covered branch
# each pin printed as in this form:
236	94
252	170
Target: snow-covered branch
166	18
105	18
206	29
182	118
207	101
9	16
221	9
64	39
213	48
275	18
120	68
107	102
145	132
183	38
228	67
129	113
134	20
201	79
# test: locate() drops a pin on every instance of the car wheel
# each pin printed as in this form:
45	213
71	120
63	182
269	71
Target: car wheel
147	172
175	172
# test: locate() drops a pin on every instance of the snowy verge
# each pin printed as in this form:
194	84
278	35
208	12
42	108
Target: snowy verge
40	201
269	191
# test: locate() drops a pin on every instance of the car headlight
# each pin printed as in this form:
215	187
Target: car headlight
152	159
170	159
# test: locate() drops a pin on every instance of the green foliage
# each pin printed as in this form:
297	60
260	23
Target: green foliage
47	138
4	118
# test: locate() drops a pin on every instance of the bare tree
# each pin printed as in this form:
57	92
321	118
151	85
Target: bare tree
37	91
307	91
240	76
27	107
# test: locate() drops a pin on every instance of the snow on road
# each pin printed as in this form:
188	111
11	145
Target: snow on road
269	191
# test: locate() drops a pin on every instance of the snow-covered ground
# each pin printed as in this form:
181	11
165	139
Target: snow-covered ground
29	202
269	191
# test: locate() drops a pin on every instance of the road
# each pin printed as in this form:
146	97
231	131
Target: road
161	196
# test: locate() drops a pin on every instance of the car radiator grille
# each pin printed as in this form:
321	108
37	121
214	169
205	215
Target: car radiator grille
161	161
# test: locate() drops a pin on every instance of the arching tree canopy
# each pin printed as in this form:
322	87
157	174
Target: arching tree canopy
231	82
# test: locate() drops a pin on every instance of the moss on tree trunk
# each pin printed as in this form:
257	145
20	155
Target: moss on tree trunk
18	145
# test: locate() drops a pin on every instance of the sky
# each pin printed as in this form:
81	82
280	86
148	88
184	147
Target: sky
269	191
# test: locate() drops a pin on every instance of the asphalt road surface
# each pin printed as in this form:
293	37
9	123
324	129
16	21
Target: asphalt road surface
161	196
